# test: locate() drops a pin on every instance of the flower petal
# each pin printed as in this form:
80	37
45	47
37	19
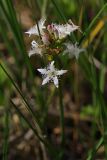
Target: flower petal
34	29
34	43
51	66
41	23
60	72
46	80
35	49
31	52
55	80
42	71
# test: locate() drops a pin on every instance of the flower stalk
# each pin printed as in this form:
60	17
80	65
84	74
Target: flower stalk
61	119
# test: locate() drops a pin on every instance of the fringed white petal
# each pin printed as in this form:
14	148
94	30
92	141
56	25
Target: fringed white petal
35	49
55	80
34	30
46	80
51	66
42	71
31	52
60	72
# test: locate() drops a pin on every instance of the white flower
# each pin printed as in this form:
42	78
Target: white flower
66	29
51	74
34	29
35	49
73	50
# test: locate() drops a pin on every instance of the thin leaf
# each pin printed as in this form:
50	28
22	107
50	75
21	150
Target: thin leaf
51	150
85	34
92	153
21	94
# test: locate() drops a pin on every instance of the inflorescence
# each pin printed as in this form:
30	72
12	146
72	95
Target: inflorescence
53	40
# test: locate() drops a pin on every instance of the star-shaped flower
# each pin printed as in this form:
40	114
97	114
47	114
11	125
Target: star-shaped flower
34	29
73	50
51	74
66	29
35	49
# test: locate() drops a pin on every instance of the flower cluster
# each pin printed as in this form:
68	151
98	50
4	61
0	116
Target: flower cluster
52	40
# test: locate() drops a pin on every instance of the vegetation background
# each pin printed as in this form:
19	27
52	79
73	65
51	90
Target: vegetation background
29	113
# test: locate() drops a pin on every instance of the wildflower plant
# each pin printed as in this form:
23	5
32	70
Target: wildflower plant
52	41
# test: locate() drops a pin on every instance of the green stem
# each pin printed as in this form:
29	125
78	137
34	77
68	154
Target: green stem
61	119
43	14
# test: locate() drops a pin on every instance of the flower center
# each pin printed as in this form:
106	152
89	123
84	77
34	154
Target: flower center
51	74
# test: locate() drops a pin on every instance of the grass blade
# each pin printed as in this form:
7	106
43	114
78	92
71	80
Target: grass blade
59	11
94	150
21	114
21	94
85	34
8	12
51	150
